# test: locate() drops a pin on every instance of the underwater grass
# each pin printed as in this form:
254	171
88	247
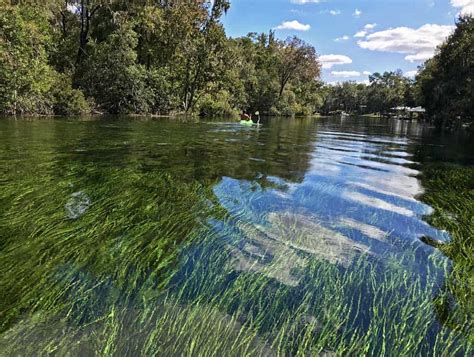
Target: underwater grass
450	191
46	256
104	260
143	271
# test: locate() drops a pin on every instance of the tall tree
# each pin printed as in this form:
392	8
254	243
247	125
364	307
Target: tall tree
199	64
86	10
445	84
387	90
297	59
25	76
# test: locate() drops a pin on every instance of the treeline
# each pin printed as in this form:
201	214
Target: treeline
173	56
161	56
385	91
444	85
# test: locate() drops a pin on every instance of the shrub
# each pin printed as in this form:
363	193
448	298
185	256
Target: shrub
216	105
67	100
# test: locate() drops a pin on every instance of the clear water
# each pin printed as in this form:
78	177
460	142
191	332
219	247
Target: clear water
127	236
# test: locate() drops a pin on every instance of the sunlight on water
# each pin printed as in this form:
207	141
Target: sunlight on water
128	237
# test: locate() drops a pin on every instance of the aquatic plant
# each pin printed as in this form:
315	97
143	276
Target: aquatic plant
173	257
450	191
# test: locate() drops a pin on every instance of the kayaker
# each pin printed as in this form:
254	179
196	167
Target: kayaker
245	117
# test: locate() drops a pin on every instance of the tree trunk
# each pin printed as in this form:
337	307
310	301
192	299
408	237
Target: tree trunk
86	15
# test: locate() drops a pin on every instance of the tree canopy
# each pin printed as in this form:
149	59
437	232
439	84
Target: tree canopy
445	84
71	56
171	56
384	92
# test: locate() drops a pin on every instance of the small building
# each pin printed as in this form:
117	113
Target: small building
407	113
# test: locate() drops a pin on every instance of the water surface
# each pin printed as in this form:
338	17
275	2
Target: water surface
127	236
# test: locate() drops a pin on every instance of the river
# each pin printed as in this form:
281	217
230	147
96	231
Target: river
136	236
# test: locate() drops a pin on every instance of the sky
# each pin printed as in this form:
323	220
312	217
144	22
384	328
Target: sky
354	37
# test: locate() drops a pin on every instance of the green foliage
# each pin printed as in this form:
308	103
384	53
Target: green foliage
385	91
151	57
288	106
163	97
388	90
445	85
28	83
25	76
216	105
148	57
66	100
296	60
112	75
349	96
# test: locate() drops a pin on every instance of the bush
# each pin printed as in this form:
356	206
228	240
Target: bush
113	77
216	105
286	106
66	100
162	98
25	76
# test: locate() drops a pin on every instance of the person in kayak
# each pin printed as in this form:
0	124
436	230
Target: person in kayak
245	117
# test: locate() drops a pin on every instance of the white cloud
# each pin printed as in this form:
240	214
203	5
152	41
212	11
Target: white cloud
345	74
361	34
328	61
335	12
467	6
357	13
411	74
418	44
420	57
293	25
296	11
367	29
342	38
366	73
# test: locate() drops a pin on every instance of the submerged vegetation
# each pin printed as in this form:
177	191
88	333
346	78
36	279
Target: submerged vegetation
104	282
450	191
162	57
131	238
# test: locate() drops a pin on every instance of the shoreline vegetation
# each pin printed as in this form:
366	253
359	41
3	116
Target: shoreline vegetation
94	57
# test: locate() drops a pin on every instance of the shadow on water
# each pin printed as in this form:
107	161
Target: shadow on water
124	236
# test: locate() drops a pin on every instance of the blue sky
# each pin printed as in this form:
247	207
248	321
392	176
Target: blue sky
390	34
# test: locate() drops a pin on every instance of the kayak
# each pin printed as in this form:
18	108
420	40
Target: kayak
246	122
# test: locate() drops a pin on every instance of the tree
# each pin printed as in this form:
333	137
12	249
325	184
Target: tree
297	60
25	76
350	97
445	83
86	10
147	56
388	90
201	57
112	75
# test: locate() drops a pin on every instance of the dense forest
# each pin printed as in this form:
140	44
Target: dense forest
173	56
385	91
70	57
